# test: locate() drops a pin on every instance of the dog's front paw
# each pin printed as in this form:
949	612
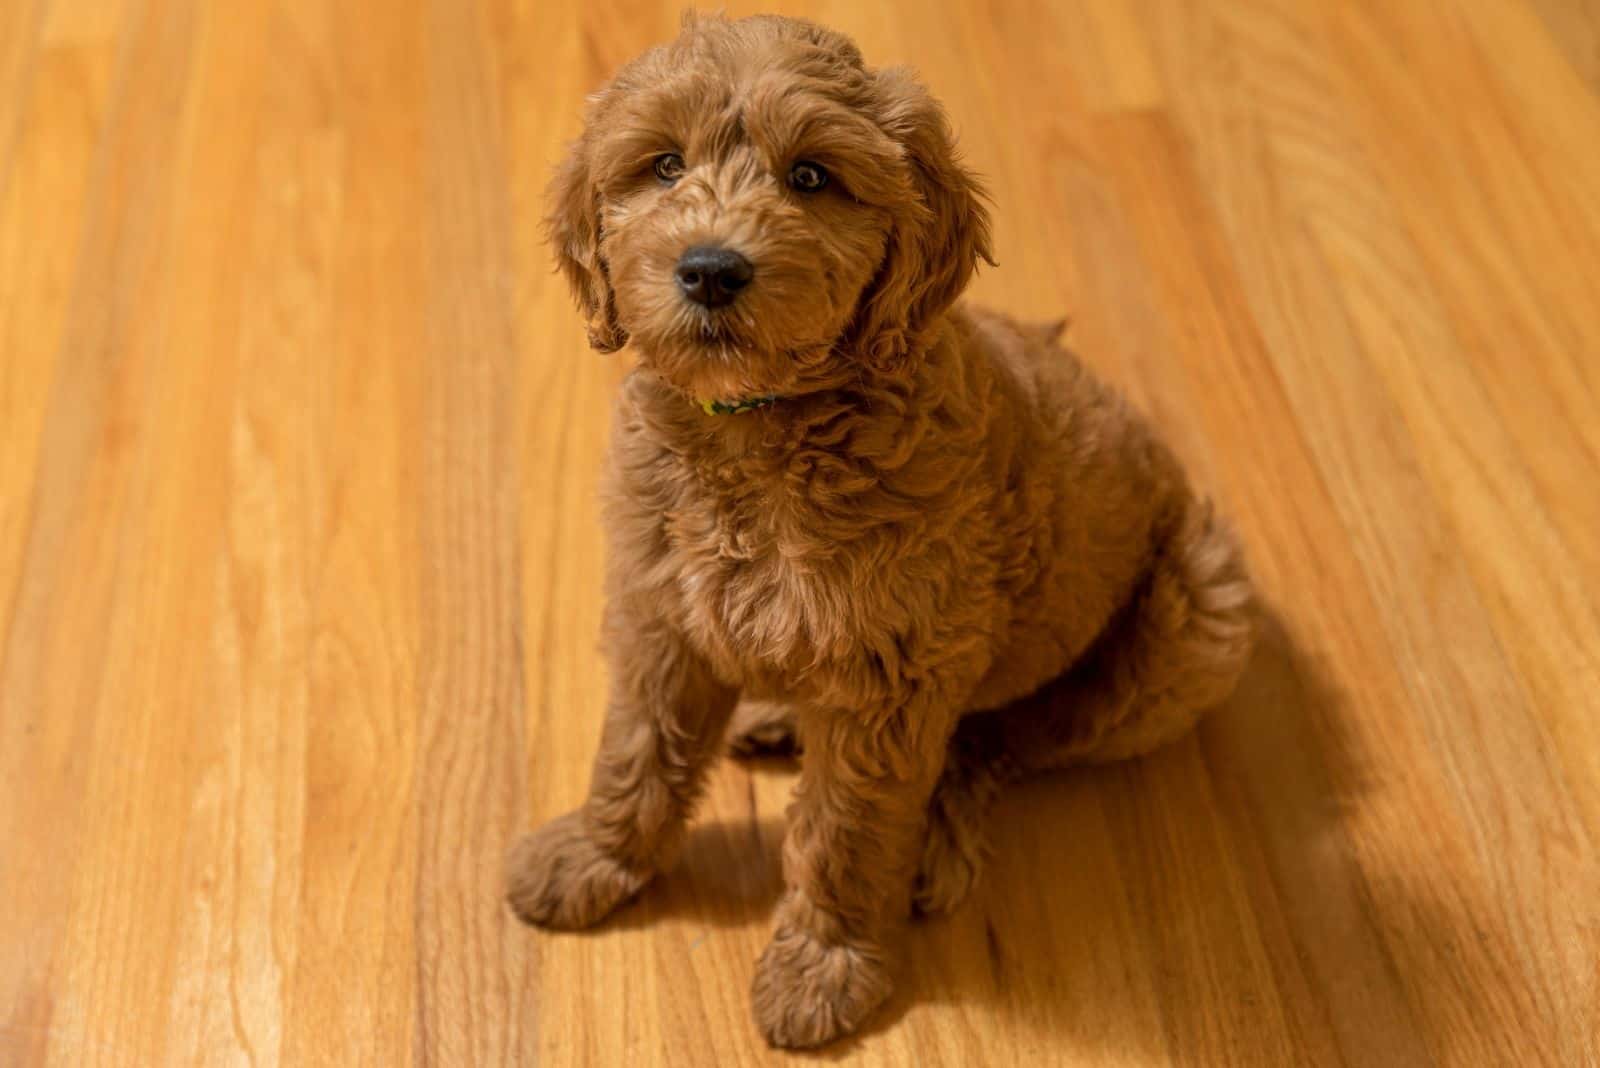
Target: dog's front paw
558	877
808	993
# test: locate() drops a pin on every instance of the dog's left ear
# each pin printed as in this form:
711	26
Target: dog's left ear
573	226
936	239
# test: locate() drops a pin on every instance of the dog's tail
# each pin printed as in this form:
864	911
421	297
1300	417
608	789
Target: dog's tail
1052	331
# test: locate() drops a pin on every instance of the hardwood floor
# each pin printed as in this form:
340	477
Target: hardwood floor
300	568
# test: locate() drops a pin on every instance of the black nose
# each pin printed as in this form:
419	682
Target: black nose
713	276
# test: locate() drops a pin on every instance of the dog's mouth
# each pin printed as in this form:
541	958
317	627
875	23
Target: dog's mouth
721	337
718	328
731	338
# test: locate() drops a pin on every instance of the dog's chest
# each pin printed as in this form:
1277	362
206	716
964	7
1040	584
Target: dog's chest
760	588
799	569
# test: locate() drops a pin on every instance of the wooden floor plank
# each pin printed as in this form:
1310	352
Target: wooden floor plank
43	199
146	928
1574	26
473	959
75	617
1507	436
349	355
21	45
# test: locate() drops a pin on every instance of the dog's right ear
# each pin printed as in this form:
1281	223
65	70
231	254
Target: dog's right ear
573	226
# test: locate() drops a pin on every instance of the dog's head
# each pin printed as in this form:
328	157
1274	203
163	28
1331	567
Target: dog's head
755	207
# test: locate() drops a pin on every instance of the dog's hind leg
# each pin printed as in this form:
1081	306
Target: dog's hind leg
1177	649
956	842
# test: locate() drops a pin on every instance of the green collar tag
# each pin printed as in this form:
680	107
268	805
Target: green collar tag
716	407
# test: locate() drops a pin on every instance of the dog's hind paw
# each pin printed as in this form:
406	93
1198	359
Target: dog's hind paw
763	729
953	852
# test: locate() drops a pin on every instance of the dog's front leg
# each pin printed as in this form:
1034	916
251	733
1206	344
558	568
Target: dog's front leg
854	837
663	728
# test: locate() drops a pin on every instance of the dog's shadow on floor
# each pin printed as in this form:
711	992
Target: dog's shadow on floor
1125	906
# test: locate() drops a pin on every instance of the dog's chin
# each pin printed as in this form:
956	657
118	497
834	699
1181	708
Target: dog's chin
747	350
712	359
722	369
715	337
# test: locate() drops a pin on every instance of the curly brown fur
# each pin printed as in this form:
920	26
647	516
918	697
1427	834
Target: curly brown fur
942	515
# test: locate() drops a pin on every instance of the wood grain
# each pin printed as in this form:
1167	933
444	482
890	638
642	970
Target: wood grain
300	566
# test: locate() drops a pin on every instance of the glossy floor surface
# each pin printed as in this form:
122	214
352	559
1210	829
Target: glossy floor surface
300	566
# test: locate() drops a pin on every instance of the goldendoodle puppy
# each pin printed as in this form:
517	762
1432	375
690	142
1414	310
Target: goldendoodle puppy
921	533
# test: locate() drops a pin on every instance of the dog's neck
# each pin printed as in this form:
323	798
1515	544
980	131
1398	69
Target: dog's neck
870	420
739	407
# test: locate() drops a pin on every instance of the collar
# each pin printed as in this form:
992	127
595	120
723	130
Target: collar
750	404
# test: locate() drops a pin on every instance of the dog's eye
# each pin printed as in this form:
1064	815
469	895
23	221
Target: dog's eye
669	167
807	177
